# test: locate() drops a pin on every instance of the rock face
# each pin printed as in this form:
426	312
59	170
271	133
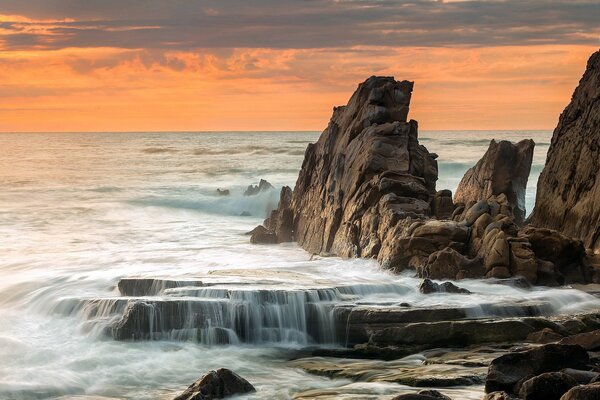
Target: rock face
504	169
568	194
253	190
218	384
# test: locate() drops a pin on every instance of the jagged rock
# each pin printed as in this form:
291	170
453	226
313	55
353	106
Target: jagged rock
450	264
505	371
224	192
281	220
253	190
587	392
589	340
504	169
568	194
218	384
428	286
547	386
442	205
262	235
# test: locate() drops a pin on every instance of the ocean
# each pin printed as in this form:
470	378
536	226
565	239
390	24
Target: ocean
79	211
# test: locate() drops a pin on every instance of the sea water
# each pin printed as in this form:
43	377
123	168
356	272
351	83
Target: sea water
79	211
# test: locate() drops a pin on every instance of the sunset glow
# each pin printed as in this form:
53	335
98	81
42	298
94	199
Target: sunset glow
65	69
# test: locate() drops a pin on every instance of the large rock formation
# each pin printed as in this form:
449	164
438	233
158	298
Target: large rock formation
504	169
568	194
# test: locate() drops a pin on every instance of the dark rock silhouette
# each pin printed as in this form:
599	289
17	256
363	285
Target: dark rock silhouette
253	190
568	194
218	384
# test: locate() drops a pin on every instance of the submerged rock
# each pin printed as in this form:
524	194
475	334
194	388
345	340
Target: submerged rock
504	169
218	384
224	192
568	193
262	186
428	286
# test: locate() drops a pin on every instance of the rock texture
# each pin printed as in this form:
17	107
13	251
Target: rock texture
218	384
568	194
504	169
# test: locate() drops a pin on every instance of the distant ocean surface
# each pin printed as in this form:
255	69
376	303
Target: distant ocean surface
78	211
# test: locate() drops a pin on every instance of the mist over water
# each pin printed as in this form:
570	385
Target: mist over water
80	211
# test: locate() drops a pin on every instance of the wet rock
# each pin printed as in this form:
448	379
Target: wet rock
262	235
218	384
151	286
587	392
498	396
253	190
504	169
505	371
428	286
224	192
544	336
281	220
547	386
568	198
581	376
589	340
423	395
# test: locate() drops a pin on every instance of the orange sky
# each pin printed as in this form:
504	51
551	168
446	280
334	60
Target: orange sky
124	88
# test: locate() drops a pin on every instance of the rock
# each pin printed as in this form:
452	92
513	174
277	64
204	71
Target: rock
582	377
547	386
442	206
281	220
365	176
450	264
589	340
544	336
503	169
262	186
261	235
428	286
568	193
505	371
224	192
218	384
523	261
498	396
423	395
587	392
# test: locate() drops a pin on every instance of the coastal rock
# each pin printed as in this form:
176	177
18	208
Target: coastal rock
589	340
423	395
568	193
262	235
507	370
281	220
544	336
503	169
428	286
218	384
253	190
547	386
587	392
224	192
498	396
442	205
450	264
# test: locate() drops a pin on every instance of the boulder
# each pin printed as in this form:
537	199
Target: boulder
423	395
262	235
581	376
589	340
450	264
498	396
505	371
568	192
428	286
503	169
547	386
218	384
253	190
587	392
544	336
442	206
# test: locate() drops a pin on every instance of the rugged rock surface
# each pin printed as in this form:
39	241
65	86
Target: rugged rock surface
568	194
507	370
218	384
587	392
504	169
253	190
547	386
428	286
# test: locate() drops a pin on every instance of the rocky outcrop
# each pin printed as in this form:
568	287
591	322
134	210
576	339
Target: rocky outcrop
504	169
568	194
218	384
253	190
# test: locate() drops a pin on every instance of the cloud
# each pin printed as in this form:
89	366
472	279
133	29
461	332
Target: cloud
297	24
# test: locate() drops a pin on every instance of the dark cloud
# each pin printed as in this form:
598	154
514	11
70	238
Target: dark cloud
192	24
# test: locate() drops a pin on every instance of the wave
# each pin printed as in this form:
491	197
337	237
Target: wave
251	150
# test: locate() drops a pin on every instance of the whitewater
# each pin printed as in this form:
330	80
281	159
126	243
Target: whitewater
81	211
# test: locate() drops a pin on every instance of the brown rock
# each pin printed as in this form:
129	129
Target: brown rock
589	340
544	336
450	264
498	396
217	384
587	392
547	386
504	169
262	235
423	395
428	286
442	205
568	194
253	190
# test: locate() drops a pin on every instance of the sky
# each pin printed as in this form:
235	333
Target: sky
189	65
